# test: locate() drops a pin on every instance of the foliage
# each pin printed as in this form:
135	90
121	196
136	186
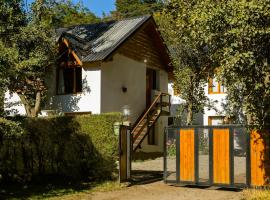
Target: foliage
56	190
64	13
30	48
10	129
232	37
11	16
171	147
189	55
237	36
132	8
80	148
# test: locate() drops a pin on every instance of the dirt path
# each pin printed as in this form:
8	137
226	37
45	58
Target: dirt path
161	191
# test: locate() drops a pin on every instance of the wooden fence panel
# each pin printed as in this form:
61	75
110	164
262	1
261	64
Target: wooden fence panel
187	155
221	156
259	159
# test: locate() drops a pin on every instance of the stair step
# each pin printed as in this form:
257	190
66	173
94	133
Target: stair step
165	104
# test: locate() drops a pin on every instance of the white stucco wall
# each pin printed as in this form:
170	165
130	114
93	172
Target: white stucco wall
13	105
198	118
219	99
174	99
123	72
87	101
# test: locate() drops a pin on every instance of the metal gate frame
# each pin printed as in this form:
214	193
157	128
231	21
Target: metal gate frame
210	182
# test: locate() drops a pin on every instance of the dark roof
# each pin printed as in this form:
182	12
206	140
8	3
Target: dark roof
95	42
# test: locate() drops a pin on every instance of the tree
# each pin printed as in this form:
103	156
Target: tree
189	55
11	17
65	13
132	8
28	52
237	34
28	46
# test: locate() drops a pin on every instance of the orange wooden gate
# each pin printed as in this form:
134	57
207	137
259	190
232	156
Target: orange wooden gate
221	156
187	155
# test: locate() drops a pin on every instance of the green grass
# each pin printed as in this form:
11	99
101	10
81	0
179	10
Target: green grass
57	190
256	194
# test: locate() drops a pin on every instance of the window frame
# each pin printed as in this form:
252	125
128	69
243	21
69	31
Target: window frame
210	119
74	91
210	88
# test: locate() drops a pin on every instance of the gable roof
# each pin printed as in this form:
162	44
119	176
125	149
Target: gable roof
95	42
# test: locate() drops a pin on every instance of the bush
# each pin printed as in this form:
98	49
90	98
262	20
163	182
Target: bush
83	147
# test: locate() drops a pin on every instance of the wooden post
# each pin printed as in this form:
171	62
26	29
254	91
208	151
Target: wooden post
124	153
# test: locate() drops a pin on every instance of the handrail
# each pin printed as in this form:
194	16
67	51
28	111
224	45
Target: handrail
149	109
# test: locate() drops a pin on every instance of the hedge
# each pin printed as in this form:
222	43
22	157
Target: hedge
82	147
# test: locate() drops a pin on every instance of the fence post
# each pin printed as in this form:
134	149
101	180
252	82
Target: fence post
125	145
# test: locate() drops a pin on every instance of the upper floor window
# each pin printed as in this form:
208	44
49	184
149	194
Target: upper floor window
215	120
69	80
215	87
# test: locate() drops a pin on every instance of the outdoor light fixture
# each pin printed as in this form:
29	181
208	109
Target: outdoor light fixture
126	112
124	89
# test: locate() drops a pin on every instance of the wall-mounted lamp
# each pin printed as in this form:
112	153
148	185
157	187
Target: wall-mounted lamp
124	89
126	113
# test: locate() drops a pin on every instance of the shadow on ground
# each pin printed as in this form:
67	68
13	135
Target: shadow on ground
46	189
140	177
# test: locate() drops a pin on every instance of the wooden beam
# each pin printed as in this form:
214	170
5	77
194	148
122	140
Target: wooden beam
72	52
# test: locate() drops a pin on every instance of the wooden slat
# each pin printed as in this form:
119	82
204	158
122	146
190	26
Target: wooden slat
123	155
187	155
140	47
259	159
221	156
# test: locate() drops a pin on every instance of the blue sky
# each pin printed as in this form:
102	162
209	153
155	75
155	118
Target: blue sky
96	6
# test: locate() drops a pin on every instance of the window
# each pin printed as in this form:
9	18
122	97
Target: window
215	87
69	80
215	120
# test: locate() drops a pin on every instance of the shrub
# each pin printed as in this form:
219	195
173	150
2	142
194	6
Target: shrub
83	147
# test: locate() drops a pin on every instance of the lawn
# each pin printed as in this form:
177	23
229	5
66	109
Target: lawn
56	191
256	194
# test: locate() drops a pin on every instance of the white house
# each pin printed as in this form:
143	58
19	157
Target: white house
112	66
216	92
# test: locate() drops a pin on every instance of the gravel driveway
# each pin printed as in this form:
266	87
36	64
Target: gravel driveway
161	191
157	165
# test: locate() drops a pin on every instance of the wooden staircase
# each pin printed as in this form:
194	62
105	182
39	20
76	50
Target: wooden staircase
159	107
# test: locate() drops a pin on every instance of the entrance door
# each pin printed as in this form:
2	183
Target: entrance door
149	85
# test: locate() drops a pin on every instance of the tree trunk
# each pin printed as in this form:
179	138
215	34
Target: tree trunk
2	97
190	102
31	111
190	114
